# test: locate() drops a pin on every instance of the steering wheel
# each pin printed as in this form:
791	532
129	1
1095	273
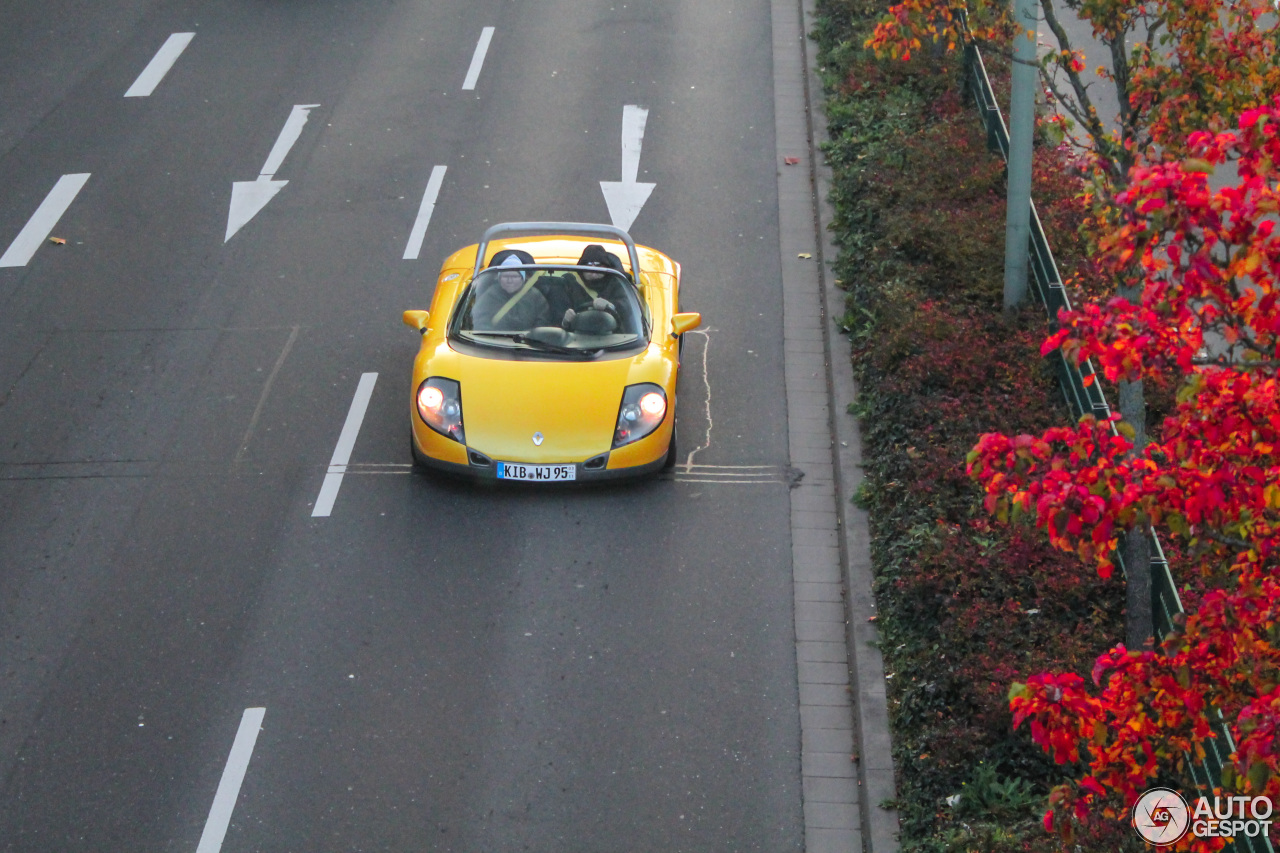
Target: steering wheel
594	321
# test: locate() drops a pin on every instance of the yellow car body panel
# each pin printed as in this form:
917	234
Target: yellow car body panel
573	404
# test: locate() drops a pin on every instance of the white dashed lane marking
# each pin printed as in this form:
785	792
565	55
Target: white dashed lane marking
414	246
159	65
346	443
477	59
224	802
42	221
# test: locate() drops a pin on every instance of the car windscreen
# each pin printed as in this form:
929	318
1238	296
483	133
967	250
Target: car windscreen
570	310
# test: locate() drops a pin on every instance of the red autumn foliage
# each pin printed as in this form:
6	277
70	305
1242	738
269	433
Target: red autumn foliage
1176	66
1209	312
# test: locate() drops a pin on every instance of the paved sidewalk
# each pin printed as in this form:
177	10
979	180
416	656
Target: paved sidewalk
846	764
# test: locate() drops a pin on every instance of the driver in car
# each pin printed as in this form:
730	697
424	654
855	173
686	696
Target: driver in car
514	304
596	291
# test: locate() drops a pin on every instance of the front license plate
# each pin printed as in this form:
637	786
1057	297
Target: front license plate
541	473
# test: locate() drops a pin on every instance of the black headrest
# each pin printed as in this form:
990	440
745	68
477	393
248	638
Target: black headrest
595	254
499	257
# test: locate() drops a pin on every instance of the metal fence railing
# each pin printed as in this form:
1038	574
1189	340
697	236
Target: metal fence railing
1088	398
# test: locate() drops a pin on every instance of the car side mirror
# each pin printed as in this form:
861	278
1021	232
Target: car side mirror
416	320
682	323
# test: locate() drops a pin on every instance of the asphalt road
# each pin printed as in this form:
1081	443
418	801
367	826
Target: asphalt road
442	666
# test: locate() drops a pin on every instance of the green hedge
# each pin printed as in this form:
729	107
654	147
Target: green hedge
965	606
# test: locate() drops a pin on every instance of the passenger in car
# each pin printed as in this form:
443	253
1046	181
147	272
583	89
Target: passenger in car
552	286
512	304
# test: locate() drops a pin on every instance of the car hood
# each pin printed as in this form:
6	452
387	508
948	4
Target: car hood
572	405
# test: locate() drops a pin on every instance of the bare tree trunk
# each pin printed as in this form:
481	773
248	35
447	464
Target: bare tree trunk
1136	547
1138	625
1022	120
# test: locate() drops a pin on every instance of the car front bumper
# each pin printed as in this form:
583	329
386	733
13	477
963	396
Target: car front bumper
628	461
582	474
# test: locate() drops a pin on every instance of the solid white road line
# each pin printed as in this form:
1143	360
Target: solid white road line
477	59
346	442
42	221
730	468
414	246
159	65
224	802
681	478
732	475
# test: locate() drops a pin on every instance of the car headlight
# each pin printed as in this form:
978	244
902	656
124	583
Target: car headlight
643	408
440	407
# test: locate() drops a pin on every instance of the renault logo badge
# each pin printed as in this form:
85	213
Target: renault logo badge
537	439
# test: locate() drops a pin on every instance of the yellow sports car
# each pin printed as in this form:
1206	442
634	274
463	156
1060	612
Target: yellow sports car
550	354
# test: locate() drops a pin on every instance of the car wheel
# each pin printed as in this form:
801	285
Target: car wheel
672	450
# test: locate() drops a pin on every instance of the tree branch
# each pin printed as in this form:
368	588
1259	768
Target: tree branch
1086	112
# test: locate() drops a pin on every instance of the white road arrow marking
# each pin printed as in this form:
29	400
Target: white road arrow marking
626	197
249	197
